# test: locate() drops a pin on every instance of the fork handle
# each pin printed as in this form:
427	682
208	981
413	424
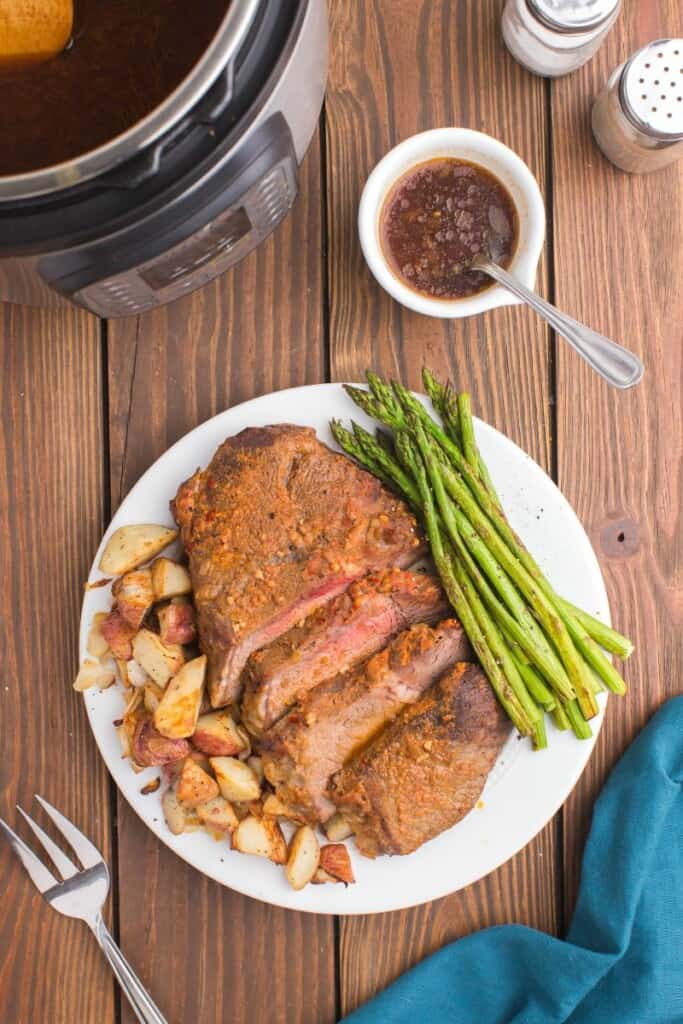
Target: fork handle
146	1011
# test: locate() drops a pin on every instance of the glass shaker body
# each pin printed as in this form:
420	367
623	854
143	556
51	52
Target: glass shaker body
554	47
637	119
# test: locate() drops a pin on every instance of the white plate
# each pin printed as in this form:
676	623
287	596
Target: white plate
524	790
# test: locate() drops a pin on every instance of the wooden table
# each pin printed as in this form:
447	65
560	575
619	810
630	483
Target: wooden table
87	406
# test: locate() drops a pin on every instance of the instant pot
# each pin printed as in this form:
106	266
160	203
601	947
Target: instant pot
187	191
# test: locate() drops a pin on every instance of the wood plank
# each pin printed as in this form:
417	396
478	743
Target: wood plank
51	509
207	953
400	66
619	260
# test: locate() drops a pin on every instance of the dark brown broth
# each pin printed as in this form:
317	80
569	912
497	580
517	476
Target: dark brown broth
437	218
125	58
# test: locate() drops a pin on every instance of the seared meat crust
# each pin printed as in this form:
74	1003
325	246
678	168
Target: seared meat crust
276	526
427	769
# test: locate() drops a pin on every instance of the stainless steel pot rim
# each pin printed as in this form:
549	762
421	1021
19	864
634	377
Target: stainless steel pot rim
223	48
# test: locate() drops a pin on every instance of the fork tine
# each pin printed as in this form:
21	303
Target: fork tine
66	868
88	854
38	873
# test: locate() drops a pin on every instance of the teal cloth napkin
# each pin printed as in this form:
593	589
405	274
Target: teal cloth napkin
622	961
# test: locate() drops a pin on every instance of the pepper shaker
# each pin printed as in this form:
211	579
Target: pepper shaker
553	37
638	117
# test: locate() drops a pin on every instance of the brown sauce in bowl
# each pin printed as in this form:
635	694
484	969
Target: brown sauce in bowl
437	218
124	59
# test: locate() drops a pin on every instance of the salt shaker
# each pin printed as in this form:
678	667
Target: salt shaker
638	117
554	37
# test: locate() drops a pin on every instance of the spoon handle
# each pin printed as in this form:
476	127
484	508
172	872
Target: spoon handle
613	362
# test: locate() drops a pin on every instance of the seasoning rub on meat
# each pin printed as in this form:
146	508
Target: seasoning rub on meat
342	633
275	527
427	769
315	739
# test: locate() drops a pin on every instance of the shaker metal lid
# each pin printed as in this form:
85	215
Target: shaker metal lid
573	15
651	89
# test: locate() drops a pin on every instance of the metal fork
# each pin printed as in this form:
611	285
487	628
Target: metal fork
81	894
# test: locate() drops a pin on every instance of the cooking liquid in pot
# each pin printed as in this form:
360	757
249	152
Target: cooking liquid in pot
124	59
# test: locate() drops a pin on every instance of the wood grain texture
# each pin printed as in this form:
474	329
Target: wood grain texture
206	953
398	68
619	261
51	510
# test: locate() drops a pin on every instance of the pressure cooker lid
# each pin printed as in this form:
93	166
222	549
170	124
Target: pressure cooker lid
131	71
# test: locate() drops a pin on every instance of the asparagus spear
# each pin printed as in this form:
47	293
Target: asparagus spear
534	684
461	601
434	389
580	726
524	628
383	393
560	718
392	407
518	621
348	443
599	631
582	622
493	546
469	445
540	740
366	401
551	620
444	401
467	426
492	508
389	466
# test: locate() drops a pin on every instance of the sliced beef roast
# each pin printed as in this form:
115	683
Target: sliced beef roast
427	769
342	633
276	526
315	739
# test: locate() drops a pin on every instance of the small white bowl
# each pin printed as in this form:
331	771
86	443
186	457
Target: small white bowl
478	149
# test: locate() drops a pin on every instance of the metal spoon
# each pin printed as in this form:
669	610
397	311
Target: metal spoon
619	367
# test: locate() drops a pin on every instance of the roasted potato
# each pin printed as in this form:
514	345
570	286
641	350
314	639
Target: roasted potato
321	877
151	696
136	674
237	781
335	861
256	765
178	711
174	812
133	707
202	760
275	808
262	837
134	596
337	828
303	857
97	645
218	815
159	660
245	752
169	579
194	785
118	634
130	546
242	810
150	748
122	667
124	739
176	624
217	735
94	673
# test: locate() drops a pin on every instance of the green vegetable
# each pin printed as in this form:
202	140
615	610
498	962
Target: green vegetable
540	652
